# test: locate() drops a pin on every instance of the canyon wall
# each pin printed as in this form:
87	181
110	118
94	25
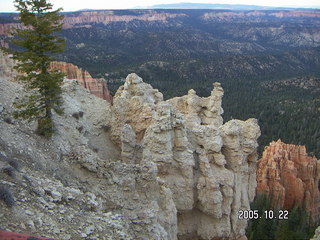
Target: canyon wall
8	28
96	86
105	17
278	14
286	172
85	18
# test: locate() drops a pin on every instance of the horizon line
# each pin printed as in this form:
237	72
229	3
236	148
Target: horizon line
167	7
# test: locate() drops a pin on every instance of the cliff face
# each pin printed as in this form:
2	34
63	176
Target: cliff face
290	175
6	28
106	17
84	19
206	167
142	168
96	86
278	14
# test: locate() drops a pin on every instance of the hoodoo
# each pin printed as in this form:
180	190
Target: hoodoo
206	168
286	172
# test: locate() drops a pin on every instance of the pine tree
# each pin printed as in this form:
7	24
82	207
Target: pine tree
35	46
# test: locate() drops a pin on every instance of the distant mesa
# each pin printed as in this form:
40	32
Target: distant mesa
216	6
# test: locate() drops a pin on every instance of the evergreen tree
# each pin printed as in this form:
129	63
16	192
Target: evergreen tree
298	226
35	46
283	231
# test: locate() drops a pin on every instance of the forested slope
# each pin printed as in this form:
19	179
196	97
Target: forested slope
252	53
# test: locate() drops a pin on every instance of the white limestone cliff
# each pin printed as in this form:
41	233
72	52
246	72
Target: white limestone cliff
209	167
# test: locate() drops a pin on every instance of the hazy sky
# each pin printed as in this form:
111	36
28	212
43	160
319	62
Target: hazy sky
73	5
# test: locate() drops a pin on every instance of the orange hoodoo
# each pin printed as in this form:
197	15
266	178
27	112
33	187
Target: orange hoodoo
287	173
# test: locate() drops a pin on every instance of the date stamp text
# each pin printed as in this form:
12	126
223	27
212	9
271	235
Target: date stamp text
267	214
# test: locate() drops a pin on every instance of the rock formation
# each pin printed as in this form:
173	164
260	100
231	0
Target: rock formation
105	17
316	234
6	66
8	28
279	14
207	167
96	86
73	186
135	102
173	171
286	172
85	18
